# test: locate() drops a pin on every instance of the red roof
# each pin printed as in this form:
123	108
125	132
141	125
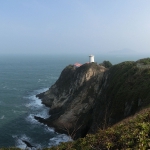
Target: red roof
77	64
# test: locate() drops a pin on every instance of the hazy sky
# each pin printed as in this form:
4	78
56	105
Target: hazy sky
75	26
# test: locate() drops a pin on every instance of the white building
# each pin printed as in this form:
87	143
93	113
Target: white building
91	58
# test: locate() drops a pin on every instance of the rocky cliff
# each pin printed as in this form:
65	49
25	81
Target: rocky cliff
125	91
90	97
72	98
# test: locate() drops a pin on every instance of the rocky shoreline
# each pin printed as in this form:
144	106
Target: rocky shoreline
71	99
92	97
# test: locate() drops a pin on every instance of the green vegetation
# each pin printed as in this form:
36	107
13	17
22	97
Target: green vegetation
127	86
145	61
130	134
126	93
107	64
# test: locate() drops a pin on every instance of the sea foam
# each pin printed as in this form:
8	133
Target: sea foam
58	139
38	109
34	103
18	141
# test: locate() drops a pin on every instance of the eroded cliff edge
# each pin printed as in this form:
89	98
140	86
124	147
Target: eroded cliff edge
72	98
90	97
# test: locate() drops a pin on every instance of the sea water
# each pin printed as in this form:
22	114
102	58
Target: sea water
21	78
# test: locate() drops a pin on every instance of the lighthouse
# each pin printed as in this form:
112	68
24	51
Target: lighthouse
91	58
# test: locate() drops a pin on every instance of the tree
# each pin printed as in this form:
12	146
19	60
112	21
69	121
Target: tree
106	64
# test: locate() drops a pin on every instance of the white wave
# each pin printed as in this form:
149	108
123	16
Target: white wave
4	87
42	114
18	141
59	139
35	101
41	90
40	110
15	89
2	117
16	111
20	144
48	129
35	92
31	119
41	80
35	104
36	107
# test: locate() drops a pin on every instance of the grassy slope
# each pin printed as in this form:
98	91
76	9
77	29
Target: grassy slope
132	133
128	84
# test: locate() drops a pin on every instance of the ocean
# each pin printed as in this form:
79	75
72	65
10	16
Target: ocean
21	78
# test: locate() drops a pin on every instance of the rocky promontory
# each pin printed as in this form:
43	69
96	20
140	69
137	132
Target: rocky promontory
72	98
91	96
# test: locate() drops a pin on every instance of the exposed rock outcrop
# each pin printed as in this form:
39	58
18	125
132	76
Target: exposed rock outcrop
90	97
71	99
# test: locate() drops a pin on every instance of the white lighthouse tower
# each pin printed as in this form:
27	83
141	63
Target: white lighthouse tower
91	58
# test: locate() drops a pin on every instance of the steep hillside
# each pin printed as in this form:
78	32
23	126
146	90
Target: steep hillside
90	97
130	134
125	90
72	98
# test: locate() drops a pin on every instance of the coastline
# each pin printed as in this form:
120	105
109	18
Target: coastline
71	99
49	121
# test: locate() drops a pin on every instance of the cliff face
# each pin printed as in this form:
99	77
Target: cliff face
125	91
90	97
71	99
